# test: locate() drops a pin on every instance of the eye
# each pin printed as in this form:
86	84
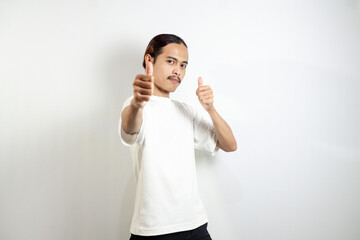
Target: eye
170	61
183	65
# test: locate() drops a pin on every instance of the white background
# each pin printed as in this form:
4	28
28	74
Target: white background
285	76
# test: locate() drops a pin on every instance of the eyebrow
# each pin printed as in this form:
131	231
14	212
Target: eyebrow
176	59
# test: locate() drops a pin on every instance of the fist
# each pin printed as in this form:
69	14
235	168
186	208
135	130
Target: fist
205	95
143	86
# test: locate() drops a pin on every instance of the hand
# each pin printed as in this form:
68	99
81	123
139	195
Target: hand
205	95
143	86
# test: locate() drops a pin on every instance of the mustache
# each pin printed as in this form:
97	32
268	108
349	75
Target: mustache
174	77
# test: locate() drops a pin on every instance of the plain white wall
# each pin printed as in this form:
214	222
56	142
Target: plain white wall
285	75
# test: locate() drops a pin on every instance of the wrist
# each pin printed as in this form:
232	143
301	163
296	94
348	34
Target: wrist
211	110
134	107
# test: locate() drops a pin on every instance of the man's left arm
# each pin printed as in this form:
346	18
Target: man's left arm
226	139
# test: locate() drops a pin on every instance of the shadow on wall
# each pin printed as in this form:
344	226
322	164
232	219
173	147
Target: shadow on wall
121	64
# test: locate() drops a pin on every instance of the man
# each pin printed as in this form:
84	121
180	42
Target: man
162	134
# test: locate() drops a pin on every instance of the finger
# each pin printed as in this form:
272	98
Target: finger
143	84
146	78
143	91
205	92
207	97
149	67
204	88
200	81
141	97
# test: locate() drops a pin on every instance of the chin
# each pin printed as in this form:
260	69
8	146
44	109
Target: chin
172	90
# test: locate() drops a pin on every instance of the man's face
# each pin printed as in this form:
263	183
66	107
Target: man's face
169	69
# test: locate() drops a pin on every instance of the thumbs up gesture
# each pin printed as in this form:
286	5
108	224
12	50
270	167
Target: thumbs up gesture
205	95
143	86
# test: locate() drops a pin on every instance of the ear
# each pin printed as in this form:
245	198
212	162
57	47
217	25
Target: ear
148	58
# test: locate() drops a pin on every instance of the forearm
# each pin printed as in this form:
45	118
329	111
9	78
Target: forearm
223	131
131	119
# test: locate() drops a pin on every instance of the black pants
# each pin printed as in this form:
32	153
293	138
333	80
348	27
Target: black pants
199	233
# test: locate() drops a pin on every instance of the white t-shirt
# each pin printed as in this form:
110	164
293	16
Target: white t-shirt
167	199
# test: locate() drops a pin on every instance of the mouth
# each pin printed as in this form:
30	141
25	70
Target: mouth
174	80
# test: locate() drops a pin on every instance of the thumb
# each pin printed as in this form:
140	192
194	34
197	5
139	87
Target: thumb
200	81
149	67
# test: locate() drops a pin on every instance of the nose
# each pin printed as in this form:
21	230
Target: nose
176	70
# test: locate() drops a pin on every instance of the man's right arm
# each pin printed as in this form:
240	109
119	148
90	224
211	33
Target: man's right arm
131	119
132	115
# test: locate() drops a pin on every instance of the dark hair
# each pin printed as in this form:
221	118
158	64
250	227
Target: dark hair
158	42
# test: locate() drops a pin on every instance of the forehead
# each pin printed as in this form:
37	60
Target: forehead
176	50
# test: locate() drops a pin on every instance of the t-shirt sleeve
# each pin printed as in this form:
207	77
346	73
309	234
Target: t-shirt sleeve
126	138
205	138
